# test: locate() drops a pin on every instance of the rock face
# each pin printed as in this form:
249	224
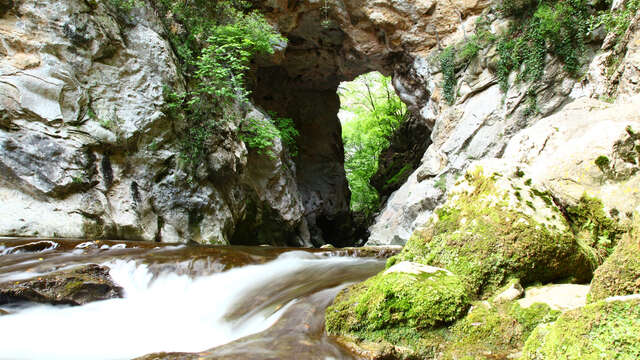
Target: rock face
76	286
84	138
561	297
402	157
88	152
482	120
85	141
562	149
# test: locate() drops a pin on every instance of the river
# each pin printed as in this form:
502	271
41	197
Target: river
219	302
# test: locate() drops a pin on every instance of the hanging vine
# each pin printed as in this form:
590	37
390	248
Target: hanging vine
324	10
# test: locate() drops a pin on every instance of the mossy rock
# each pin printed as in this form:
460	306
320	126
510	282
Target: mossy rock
603	330
495	331
75	286
398	308
596	232
494	227
620	273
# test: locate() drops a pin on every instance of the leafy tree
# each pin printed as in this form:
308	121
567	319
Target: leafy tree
372	113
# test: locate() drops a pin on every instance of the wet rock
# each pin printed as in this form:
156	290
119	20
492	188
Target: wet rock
76	286
4	312
373	316
32	247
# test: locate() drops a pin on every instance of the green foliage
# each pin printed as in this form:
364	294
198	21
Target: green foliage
448	68
261	134
461	54
470	49
516	7
441	183
556	27
124	5
602	162
287	132
397	176
215	42
594	228
616	21
376	114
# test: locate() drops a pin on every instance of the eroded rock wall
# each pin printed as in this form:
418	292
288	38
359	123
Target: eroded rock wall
482	121
87	150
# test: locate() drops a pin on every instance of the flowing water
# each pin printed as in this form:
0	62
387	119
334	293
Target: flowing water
212	302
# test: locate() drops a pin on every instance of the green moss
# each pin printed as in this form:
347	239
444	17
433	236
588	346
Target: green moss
387	305
486	241
532	316
495	332
399	175
620	273
597	331
70	286
397	300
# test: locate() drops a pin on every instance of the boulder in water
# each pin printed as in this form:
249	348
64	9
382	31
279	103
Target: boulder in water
76	286
396	311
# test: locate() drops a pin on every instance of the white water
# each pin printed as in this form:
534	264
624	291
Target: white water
170	313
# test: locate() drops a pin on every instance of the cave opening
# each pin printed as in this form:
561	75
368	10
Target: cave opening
306	81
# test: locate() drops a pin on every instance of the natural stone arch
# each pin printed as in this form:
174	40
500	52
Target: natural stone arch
300	82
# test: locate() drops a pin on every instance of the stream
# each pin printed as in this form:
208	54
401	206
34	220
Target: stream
218	302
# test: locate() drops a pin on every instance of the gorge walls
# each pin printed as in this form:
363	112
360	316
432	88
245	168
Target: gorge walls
89	151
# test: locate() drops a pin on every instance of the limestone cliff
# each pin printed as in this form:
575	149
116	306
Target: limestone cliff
88	151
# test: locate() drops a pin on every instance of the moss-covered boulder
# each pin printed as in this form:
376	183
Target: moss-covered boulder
495	331
496	225
398	308
603	330
620	273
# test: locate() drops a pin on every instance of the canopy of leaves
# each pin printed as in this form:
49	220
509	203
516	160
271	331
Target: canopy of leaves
370	112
